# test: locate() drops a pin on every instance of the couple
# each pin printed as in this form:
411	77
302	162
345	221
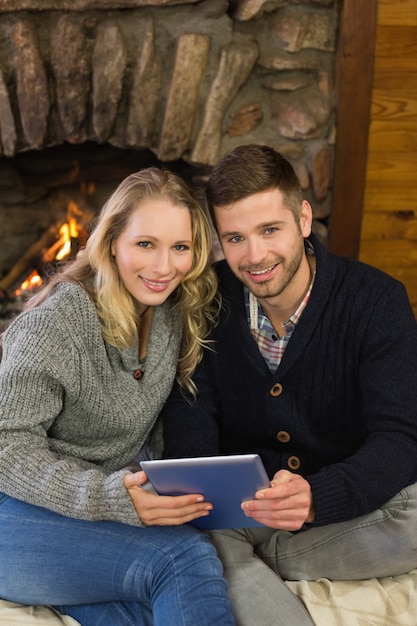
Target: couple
306	358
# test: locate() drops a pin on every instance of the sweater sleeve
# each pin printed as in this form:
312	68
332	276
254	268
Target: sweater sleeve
386	382
190	424
39	366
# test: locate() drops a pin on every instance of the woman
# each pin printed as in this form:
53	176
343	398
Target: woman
85	371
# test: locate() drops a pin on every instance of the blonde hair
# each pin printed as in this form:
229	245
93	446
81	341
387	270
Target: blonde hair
95	269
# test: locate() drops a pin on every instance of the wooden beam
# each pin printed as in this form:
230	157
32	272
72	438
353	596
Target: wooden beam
354	68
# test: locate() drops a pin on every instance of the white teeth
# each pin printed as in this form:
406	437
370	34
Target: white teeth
155	284
263	271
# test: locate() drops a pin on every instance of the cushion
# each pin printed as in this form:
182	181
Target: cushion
12	614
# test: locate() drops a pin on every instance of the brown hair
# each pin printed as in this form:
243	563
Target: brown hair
251	169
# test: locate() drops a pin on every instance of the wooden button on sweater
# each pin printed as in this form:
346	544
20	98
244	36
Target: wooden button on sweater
294	463
283	436
276	390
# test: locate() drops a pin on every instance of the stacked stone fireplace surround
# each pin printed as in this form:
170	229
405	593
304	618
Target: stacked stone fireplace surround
91	90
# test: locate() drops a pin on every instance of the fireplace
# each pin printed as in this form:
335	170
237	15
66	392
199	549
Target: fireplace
91	90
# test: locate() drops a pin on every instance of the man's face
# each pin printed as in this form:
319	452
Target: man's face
264	244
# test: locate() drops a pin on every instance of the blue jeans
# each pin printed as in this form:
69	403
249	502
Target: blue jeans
258	560
110	574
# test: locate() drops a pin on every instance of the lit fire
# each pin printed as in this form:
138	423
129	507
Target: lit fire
31	282
68	232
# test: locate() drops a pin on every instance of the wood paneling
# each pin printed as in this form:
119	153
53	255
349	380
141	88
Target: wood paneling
397	137
380	225
389	221
397	12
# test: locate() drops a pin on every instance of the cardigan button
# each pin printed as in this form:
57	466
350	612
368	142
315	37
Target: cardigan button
283	436
137	374
276	390
294	463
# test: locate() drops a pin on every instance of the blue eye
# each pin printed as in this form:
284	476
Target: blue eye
144	244
181	247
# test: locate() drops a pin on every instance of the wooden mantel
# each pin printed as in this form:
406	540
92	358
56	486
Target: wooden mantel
355	63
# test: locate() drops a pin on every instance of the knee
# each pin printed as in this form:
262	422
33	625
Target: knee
175	554
232	546
186	549
199	549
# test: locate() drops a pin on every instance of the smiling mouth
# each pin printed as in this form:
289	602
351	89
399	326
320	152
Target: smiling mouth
159	284
260	272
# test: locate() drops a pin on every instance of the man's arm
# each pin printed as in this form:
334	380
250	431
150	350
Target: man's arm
386	384
189	424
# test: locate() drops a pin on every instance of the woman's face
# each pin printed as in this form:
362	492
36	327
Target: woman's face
154	252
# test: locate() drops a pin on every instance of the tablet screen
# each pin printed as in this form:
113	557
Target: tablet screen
225	481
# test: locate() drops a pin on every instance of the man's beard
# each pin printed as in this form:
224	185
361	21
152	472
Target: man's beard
274	287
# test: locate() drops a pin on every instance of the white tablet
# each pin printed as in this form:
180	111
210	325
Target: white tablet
225	481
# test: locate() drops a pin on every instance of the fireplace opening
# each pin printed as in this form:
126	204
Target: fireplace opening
49	200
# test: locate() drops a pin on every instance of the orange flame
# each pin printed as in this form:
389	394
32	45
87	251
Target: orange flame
61	248
67	232
31	282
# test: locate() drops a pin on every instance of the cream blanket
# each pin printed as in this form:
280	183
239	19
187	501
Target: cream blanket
388	601
376	602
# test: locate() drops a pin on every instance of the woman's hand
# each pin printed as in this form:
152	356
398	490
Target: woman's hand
155	510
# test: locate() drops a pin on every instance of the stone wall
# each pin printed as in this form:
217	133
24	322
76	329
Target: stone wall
186	80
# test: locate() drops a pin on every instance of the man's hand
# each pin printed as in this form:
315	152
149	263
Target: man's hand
286	505
155	510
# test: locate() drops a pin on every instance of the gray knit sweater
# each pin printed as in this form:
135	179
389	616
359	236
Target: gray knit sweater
71	413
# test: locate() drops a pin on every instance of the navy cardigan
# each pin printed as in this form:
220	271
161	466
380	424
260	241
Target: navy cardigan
341	409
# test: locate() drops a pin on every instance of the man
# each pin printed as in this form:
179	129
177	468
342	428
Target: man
313	365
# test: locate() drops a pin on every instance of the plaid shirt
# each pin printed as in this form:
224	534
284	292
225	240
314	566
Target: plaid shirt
271	346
